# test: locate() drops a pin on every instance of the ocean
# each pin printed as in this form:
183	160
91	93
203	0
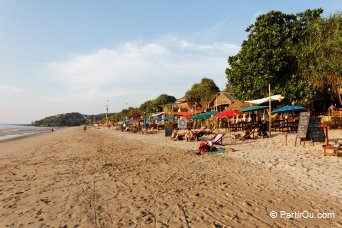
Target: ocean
12	131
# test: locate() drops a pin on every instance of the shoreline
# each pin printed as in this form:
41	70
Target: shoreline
30	135
145	180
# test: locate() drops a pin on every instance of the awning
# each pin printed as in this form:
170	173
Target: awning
157	114
266	99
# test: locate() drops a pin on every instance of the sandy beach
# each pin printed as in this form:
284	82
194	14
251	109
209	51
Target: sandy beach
108	178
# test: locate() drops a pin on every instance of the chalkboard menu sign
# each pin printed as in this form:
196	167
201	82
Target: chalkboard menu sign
168	129
303	124
316	133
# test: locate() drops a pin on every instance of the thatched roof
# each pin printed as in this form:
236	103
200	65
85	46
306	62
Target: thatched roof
185	105
181	100
238	105
221	98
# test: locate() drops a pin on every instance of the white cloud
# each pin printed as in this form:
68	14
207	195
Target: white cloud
11	89
136	71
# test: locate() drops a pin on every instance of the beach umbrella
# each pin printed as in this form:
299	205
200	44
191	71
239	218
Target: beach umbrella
134	122
168	118
253	108
187	116
209	114
289	108
196	117
204	115
155	119
227	113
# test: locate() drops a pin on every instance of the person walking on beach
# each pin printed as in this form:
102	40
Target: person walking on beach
85	128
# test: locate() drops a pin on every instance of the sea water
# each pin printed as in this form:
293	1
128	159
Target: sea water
12	131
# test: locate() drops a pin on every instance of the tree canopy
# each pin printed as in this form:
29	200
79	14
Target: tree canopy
146	108
320	57
270	56
68	119
203	91
156	104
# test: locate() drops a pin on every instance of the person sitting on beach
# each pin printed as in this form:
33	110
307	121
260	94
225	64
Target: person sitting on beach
262	131
174	135
189	134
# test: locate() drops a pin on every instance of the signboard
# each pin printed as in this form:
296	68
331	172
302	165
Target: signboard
303	124
168	129
182	123
316	133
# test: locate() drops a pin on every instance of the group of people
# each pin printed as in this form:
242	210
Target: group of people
188	135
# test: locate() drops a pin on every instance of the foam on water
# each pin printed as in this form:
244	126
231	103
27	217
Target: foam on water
12	131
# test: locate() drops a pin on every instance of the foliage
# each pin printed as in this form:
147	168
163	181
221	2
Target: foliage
320	55
269	56
68	119
145	108
203	91
156	104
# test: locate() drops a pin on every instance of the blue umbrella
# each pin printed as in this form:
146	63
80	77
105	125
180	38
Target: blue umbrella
289	108
156	119
253	108
168	118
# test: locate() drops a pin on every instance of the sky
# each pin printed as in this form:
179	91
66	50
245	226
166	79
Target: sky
63	56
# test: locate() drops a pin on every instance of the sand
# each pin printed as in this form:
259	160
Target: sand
108	178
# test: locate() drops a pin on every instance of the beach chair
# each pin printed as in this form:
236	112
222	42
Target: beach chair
209	131
198	134
248	135
216	140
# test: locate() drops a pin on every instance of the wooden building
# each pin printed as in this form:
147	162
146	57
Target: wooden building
221	101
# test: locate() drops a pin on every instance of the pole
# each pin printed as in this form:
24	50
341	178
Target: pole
269	111
107	111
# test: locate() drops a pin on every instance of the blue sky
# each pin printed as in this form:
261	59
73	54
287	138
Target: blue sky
71	56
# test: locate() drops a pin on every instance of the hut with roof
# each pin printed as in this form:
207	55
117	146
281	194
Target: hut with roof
221	101
183	107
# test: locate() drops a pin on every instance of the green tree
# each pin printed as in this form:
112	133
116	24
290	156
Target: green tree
164	99
269	56
156	104
67	119
203	91
320	56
